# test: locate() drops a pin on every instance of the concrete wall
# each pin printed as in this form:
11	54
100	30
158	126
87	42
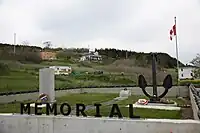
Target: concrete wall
60	124
184	92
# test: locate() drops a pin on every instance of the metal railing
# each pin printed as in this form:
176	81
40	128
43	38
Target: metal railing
195	101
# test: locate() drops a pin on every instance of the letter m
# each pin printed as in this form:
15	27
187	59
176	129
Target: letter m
24	107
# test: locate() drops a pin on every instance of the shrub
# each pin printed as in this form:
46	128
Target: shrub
196	73
4	69
61	78
186	82
33	57
105	78
85	64
123	81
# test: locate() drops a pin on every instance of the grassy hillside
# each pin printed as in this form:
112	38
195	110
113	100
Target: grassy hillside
20	71
25	76
109	55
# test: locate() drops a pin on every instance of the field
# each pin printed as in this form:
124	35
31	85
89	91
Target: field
143	113
90	99
26	76
72	99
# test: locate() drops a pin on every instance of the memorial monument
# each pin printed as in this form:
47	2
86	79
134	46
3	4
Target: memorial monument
47	83
167	83
46	87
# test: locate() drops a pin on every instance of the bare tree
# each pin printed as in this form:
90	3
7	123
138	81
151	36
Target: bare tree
47	44
26	43
196	63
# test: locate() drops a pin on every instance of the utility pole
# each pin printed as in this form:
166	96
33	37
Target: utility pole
14	42
126	54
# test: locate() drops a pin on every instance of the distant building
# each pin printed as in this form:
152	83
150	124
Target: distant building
61	70
48	55
91	56
186	72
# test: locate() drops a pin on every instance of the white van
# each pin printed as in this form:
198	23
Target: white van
61	70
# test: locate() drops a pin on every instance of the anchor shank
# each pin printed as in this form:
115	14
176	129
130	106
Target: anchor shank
154	75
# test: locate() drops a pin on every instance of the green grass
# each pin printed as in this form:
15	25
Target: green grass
134	98
28	79
91	98
86	98
143	113
72	99
23	83
52	63
8	84
26	76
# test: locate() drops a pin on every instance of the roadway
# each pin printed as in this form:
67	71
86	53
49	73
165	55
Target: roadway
175	90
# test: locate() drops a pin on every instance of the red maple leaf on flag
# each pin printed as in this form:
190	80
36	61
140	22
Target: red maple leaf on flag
172	32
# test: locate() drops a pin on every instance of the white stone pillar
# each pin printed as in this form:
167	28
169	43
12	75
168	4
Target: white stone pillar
47	83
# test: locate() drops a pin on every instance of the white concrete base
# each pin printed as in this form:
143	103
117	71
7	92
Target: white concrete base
161	107
40	106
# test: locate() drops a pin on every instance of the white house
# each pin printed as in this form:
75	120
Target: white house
91	56
83	58
61	70
186	72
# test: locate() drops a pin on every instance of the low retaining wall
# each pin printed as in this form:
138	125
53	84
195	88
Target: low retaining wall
60	124
174	91
193	98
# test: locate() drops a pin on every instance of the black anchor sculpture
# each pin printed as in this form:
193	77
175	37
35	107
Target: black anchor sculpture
167	83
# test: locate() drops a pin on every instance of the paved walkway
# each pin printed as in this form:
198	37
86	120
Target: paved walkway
88	107
161	107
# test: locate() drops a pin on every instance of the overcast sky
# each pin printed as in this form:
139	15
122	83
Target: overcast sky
138	25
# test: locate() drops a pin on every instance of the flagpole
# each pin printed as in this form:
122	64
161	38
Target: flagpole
177	59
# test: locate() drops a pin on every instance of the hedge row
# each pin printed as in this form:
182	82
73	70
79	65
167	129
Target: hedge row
187	82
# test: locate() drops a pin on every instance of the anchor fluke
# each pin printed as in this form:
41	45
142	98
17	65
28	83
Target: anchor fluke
167	83
142	82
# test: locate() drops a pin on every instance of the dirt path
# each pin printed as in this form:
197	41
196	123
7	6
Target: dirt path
103	104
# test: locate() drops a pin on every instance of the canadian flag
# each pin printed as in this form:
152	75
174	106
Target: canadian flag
172	32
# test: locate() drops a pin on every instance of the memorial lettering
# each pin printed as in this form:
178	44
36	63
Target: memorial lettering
68	109
78	109
51	109
115	111
97	105
65	110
